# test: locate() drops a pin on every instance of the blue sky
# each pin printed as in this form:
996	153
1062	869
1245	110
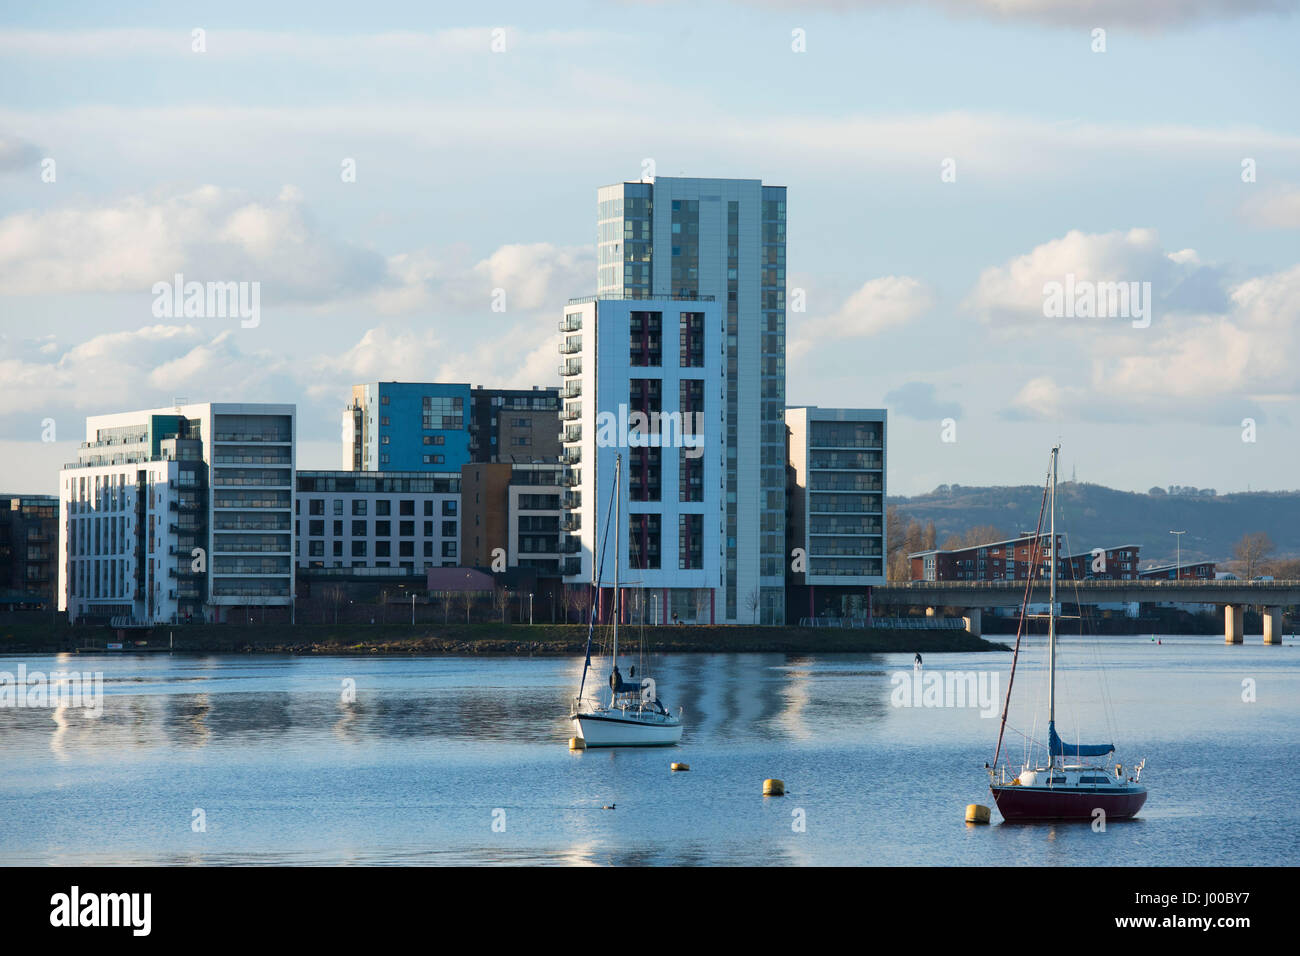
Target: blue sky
477	170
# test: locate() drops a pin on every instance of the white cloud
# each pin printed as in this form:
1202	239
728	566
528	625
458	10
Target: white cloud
150	366
530	122
342	50
1144	14
1277	208
1014	292
1199	367
142	367
1250	350
207	234
878	305
533	276
216	234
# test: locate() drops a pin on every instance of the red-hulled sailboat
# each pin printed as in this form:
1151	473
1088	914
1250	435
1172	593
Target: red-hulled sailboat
1068	787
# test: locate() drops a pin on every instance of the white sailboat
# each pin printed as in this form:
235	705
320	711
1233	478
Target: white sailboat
631	715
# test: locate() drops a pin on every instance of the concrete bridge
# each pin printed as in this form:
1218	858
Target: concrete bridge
1233	596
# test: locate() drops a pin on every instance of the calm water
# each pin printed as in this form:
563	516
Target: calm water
414	769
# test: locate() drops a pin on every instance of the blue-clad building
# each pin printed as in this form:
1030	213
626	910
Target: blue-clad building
407	426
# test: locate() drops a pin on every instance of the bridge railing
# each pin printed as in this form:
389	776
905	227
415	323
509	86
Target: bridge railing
890	623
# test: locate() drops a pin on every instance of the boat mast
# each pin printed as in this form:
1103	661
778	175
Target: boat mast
618	553
1051	615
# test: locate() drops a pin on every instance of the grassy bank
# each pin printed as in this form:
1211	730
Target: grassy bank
549	639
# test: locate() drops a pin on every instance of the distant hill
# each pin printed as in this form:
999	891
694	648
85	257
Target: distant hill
1095	516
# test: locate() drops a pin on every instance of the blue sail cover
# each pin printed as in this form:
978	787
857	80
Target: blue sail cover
1058	748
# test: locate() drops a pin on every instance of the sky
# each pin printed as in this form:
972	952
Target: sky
392	174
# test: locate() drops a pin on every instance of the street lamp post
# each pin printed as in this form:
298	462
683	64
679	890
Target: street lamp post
1178	552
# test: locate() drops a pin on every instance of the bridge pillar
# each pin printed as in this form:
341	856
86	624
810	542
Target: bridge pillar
1272	625
972	619
1233	620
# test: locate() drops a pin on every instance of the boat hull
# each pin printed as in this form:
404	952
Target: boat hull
615	730
1017	803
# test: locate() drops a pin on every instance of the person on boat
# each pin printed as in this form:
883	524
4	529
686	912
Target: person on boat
615	680
917	661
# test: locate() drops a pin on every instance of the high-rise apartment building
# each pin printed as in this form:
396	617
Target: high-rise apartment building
182	513
723	239
644	382
837	529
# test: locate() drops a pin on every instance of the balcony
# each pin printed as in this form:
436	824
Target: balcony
859	443
635	295
571	346
838	481
840	551
571	390
571	323
849	530
277	437
571	523
846	461
571	413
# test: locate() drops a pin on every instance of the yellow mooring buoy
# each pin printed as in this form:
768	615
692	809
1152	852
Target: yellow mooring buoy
975	813
681	766
577	743
774	788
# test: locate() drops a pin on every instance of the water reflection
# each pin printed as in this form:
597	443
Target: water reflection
411	770
186	719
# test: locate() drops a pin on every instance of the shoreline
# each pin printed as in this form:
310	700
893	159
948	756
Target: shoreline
555	640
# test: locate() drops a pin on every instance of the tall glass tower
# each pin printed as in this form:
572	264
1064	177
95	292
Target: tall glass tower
723	238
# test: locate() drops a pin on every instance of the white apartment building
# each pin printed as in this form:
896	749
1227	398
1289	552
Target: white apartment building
677	238
369	520
181	513
645	381
534	511
837	505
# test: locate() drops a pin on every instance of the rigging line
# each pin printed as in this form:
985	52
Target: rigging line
1086	620
597	574
1034	552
